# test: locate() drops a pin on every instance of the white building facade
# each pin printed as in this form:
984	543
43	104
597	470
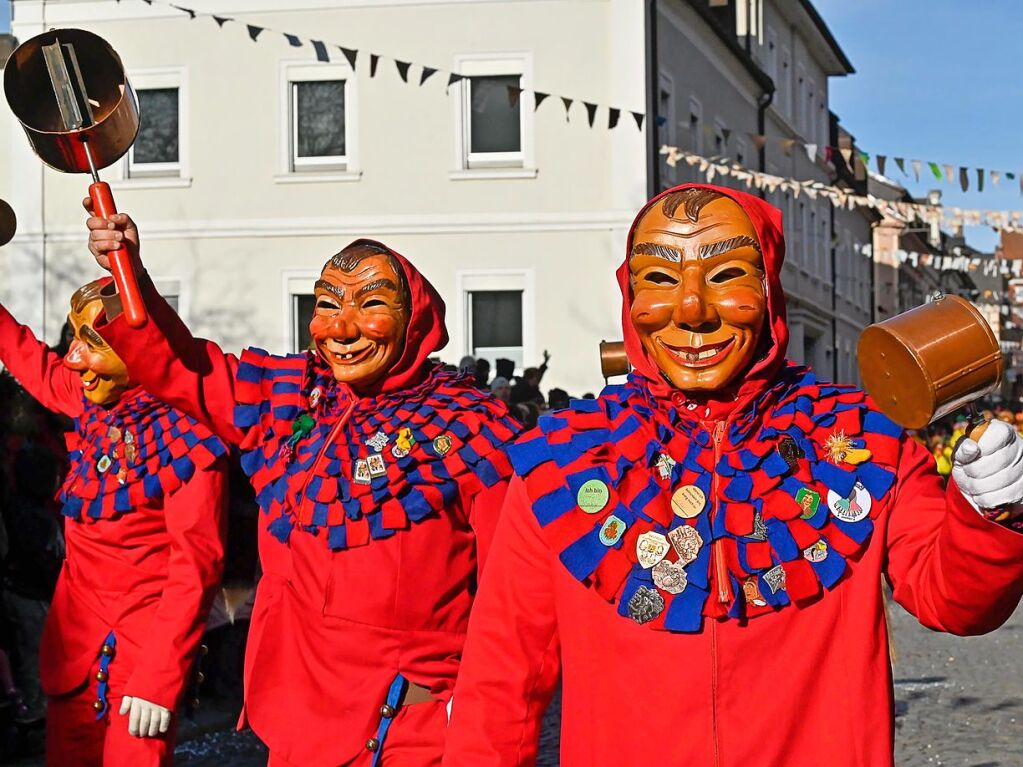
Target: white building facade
258	162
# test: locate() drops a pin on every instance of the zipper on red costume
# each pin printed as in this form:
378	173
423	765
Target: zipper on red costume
714	688
329	441
720	566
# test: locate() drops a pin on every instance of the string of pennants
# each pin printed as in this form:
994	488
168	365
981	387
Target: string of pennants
610	116
986	264
949	217
416	74
857	159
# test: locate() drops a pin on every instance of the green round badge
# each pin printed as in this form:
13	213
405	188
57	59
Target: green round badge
592	496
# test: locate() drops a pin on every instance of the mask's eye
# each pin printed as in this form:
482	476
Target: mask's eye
373	302
660	278
726	275
324	304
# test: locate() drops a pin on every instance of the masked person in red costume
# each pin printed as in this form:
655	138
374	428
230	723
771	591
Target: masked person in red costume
143	503
698	552
379	477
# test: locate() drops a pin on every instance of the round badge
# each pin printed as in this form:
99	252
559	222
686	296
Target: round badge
688	501
853	507
398	451
103	464
651	548
592	496
612	530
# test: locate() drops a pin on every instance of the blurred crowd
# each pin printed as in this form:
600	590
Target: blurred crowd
941	436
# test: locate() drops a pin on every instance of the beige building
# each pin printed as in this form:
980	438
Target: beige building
256	163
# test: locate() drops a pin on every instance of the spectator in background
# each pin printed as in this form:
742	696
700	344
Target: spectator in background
467	364
556	398
482	373
504	368
527	388
501	389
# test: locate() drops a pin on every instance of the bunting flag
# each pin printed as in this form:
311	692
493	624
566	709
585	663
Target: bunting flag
950	217
189	11
452	79
427	73
402	67
321	51
374	59
964	179
638	117
294	40
254	31
351	54
935	170
591	112
612	117
901	165
221	20
916	169
514	92
538	99
568	105
881	161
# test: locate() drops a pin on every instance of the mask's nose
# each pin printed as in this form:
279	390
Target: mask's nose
693	311
75	357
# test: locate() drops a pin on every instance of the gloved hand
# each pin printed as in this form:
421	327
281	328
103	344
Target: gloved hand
989	472
146	719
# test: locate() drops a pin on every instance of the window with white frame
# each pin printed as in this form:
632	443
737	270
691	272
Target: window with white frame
695	126
173	294
302	305
160	149
495	127
666	125
317	105
496	315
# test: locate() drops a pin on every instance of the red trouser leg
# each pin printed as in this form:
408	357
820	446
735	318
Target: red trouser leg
75	739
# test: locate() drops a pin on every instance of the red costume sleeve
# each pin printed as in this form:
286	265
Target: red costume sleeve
38	368
195	524
949	566
191	374
484	511
511	661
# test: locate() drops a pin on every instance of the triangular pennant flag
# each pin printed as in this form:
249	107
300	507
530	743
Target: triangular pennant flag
995	177
1010	175
294	40
538	99
726	134
612	117
148	2
964	178
758	140
811	150
254	31
661	121
514	92
321	51
638	117
916	168
452	79
402	67
882	160
847	156
935	170
949	170
351	54
568	105
427	73
189	11
902	165
865	158
221	20
374	59
591	111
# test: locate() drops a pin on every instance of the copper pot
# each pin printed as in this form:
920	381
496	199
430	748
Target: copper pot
613	359
925	363
115	115
8	223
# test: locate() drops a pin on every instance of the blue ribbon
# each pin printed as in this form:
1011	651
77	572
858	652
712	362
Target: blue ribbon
104	666
394	696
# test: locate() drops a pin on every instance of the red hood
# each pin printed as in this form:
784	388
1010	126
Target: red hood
426	331
767	221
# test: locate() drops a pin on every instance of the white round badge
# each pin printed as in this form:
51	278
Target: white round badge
852	508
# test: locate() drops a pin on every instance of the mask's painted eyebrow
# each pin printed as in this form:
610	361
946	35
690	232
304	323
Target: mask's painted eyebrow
660	251
717	248
92	337
331	288
376	285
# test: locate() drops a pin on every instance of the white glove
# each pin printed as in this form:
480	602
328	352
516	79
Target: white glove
989	472
146	719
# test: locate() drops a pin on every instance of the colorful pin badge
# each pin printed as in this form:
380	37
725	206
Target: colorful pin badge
687	542
378	441
809	500
129	438
398	451
670	577
115	434
103	464
688	501
130	451
651	548
852	508
314	397
791	452
406	439
122	475
362	475
840	449
645	605
775	578
759	528
377	467
751	592
664	465
612	530
442	444
816	552
592	496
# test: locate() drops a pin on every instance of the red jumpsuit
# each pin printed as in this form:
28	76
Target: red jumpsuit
747	630
366	584
143	561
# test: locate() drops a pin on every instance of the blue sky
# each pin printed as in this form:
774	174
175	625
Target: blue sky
935	80
5	15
